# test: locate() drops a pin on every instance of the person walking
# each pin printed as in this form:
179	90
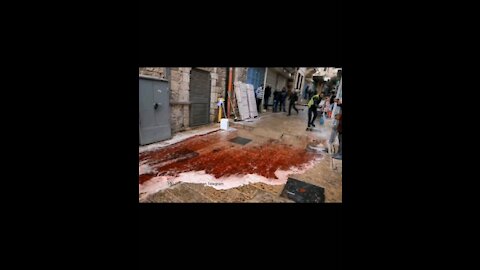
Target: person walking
283	98
293	98
306	91
312	110
276	99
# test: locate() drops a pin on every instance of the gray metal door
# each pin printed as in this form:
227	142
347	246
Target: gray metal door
199	97
154	104
272	79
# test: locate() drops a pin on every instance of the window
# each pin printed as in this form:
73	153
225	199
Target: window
298	80
325	69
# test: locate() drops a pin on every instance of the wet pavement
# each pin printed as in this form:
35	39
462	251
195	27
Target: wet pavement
212	168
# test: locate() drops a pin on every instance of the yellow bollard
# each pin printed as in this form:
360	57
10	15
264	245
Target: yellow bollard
220	109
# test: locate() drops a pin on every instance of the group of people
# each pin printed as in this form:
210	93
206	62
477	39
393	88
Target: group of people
279	97
322	103
280	100
326	106
318	101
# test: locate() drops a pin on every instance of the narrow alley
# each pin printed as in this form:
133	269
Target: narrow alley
249	161
212	168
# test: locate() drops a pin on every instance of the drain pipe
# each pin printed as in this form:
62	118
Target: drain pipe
264	86
226	90
229	90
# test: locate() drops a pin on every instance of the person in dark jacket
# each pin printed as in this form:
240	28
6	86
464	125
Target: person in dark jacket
320	86
268	92
293	98
338	117
332	98
339	131
310	93
276	99
313	104
283	98
305	91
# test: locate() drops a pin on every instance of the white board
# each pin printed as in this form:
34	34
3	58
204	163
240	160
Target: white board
252	102
242	100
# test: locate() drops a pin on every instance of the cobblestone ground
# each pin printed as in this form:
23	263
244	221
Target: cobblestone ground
284	133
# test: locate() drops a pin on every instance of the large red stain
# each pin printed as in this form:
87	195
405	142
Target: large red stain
225	159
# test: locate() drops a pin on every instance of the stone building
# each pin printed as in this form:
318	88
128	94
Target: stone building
186	104
327	72
194	92
276	77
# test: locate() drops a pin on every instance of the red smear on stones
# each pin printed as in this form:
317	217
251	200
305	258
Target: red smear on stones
145	177
219	157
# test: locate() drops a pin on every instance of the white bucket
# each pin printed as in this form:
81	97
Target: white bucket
224	124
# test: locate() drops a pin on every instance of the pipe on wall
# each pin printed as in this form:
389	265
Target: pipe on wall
226	91
230	82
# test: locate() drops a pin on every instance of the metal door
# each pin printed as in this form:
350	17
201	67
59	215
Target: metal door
154	114
199	97
255	76
272	81
272	78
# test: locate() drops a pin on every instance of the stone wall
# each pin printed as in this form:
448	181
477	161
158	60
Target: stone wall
240	75
218	91
330	72
180	95
217	82
179	98
158	72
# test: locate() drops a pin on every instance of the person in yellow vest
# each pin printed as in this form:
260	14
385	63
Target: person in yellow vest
312	109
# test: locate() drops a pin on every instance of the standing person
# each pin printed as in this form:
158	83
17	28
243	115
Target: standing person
312	109
338	155
268	92
283	98
293	97
320	86
322	106
338	119
326	108
310	92
276	99
335	124
337	110
325	88
259	95
306	90
339	75
332	97
331	103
